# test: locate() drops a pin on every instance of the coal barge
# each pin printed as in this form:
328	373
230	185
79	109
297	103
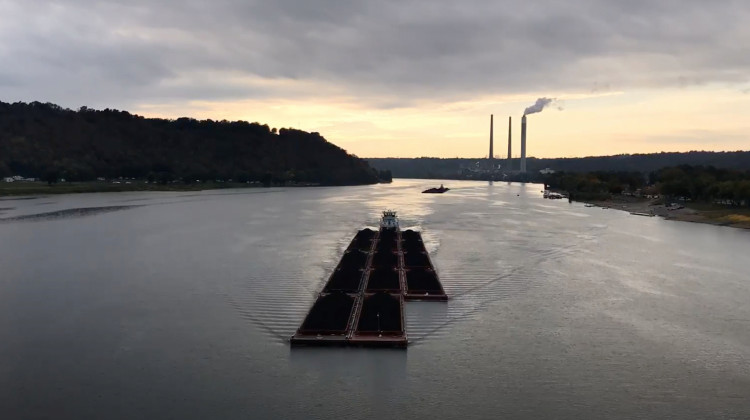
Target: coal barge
362	303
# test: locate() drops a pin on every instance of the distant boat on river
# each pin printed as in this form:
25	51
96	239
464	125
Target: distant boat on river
440	190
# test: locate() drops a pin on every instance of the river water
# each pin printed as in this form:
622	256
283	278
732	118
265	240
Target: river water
180	305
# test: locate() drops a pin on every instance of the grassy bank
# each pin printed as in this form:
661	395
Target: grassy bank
697	212
41	188
721	215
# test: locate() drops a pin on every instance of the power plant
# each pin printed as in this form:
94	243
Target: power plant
523	144
491	166
538	106
492	160
510	125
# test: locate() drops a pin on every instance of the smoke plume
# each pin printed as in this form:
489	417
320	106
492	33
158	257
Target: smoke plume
540	104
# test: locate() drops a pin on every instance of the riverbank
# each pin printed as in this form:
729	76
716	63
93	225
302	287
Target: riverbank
42	188
692	212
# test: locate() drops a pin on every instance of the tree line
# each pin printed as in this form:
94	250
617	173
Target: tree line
705	184
682	182
44	140
459	168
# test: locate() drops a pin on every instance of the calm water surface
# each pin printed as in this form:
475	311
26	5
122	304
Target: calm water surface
179	305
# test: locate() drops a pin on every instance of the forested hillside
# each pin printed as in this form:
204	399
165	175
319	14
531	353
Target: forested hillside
648	162
696	183
46	141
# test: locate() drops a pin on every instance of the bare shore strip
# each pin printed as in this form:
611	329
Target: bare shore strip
42	188
692	212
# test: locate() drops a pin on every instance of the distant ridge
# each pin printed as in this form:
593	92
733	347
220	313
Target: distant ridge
40	139
426	167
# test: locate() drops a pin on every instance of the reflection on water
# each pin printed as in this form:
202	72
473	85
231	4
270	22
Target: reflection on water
182	306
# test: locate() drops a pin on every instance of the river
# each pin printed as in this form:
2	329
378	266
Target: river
180	305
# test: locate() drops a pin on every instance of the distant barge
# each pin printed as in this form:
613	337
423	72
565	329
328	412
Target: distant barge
440	190
362	303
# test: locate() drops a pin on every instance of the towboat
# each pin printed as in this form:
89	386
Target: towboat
389	220
440	190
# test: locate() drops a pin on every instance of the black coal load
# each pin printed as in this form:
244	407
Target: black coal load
360	244
412	246
416	259
353	259
389	233
410	235
422	280
344	280
381	312
384	259
387	241
329	315
383	279
412	241
365	234
386	246
362	240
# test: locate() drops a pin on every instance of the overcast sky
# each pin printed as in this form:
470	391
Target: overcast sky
401	78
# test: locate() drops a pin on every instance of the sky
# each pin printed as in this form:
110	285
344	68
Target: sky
402	78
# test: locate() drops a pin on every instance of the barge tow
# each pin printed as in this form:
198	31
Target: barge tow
362	303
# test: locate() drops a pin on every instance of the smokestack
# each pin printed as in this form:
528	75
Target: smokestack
510	167
491	142
523	144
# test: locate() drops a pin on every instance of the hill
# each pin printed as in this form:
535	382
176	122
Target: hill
46	141
456	168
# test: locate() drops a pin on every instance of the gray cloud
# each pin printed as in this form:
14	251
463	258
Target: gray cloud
121	53
701	139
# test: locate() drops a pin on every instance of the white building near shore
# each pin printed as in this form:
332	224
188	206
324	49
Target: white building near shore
18	178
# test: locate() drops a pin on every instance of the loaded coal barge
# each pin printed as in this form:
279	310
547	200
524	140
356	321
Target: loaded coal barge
362	303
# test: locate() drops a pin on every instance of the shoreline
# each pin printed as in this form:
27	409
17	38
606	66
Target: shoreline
20	189
692	212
